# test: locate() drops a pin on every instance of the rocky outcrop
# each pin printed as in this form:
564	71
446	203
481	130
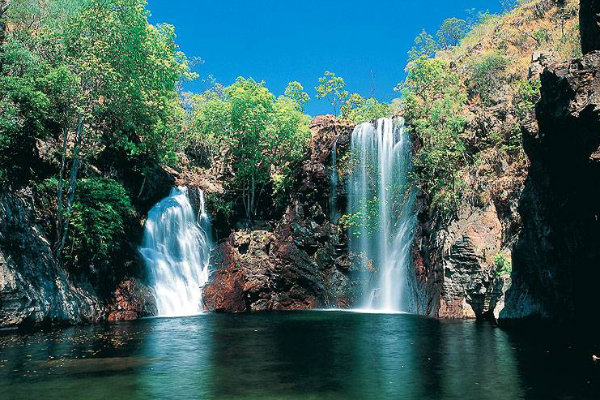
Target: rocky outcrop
299	262
300	265
589	25
132	300
458	275
33	289
557	258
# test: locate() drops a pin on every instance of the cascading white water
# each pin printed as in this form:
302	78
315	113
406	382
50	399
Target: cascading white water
382	207
176	249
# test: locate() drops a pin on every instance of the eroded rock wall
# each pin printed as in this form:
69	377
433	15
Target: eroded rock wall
456	266
33	289
557	257
300	261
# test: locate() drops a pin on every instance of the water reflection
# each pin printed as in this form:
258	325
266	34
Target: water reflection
324	355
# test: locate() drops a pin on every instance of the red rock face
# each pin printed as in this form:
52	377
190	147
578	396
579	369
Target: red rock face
261	272
227	293
300	264
132	300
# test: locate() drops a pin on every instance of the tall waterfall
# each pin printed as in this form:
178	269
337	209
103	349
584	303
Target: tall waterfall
176	249
382	208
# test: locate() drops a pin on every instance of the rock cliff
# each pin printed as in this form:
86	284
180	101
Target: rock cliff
556	258
300	261
33	289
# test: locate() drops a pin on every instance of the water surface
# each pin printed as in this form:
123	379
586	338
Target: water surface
301	355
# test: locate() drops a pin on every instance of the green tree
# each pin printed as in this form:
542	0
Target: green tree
433	98
264	136
424	46
487	75
359	109
452	31
95	78
295	91
332	88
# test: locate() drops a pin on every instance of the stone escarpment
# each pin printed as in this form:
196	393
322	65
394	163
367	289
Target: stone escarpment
33	289
463	263
456	270
557	256
298	262
589	24
544	218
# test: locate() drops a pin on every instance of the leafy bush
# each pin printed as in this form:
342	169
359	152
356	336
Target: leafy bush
526	98
487	76
359	110
503	265
542	35
433	99
369	220
264	137
101	213
99	221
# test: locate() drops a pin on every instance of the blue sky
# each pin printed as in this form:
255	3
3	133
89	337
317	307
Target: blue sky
365	42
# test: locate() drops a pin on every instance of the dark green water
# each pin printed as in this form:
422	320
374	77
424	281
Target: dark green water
302	355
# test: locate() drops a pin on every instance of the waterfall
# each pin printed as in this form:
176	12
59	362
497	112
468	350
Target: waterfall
381	209
176	250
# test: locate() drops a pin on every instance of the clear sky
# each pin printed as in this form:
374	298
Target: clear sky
365	42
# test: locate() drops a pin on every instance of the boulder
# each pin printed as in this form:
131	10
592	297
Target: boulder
131	300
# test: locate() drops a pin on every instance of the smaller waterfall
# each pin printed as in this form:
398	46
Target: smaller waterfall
176	250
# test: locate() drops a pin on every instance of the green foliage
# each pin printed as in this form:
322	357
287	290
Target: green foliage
526	98
265	137
424	46
210	118
87	82
541	35
452	31
503	265
433	99
129	71
295	91
96	59
487	75
359	110
332	88
368	220
101	214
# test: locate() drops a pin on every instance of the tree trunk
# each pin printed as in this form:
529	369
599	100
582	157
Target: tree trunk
66	215
589	25
59	192
252	198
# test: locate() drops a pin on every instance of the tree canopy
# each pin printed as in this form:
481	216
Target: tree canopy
263	134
